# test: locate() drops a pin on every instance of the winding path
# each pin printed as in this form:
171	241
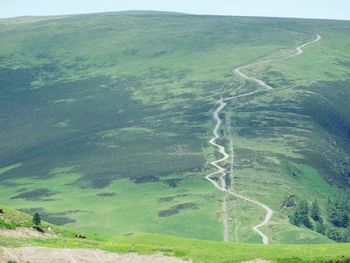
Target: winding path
299	50
220	171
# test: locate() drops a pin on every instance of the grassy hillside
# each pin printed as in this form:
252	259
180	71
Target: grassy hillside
105	121
197	250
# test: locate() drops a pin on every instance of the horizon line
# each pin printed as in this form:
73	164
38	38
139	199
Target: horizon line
172	12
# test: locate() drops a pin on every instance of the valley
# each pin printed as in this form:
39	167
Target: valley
106	118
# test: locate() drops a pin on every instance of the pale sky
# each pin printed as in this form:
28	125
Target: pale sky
333	9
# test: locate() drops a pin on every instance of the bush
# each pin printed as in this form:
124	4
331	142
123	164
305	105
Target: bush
335	235
288	202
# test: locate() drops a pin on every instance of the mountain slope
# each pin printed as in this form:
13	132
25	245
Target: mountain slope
105	121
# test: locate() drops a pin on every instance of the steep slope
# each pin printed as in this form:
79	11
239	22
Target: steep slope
225	184
105	121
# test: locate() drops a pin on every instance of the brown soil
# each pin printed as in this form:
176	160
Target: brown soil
50	255
24	232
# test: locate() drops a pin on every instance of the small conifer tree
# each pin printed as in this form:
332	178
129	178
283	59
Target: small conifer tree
36	219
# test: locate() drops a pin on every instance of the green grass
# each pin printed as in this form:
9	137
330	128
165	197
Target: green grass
88	209
89	103
13	219
197	250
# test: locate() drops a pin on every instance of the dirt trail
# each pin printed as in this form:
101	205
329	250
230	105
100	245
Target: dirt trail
220	171
65	255
299	50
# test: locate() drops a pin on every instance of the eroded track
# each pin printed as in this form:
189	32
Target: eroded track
221	172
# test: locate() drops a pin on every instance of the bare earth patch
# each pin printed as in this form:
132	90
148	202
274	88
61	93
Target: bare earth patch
24	232
50	255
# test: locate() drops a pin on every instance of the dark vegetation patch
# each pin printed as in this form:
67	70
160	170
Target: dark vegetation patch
49	199
177	208
247	158
172	183
168	212
207	85
107	194
13	184
23	189
344	62
144	179
198	114
53	218
174	197
23	78
207	196
166	75
318	120
331	112
101	180
73	211
275	78
37	194
341	260
171	198
33	112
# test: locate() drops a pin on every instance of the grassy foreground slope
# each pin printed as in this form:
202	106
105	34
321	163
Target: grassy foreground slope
105	120
203	251
196	250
